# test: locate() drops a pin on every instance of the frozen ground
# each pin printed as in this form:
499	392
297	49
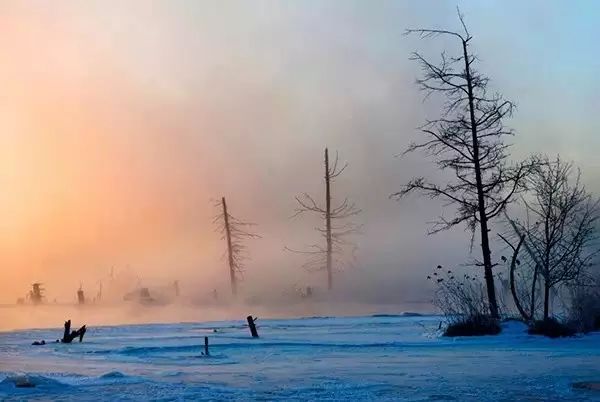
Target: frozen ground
360	358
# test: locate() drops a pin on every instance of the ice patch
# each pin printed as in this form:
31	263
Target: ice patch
405	314
113	374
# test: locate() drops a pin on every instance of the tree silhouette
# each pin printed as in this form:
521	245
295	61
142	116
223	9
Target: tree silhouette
467	139
337	229
234	231
560	229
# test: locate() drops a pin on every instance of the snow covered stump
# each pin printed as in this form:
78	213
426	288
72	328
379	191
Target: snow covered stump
252	325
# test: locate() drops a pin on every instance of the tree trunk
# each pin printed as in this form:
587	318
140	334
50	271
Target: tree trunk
513	289
535	269
546	300
533	286
328	222
485	243
232	277
252	326
67	332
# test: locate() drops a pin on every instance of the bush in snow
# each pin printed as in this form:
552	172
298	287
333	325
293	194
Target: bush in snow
551	328
473	326
463	303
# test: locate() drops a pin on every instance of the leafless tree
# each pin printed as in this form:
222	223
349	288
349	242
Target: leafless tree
234	231
560	228
467	139
337	229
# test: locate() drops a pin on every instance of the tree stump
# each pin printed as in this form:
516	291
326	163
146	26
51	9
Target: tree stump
69	335
252	325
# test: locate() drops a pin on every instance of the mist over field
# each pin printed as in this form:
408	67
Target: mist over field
299	200
121	123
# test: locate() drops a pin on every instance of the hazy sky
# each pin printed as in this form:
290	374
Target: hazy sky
121	120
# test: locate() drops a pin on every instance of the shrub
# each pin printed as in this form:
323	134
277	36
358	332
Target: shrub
458	298
552	328
475	325
584	312
463	303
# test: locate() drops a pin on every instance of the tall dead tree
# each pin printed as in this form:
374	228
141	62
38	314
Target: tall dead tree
234	232
468	139
336	232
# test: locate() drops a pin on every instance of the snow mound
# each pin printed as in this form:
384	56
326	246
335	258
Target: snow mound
30	381
513	327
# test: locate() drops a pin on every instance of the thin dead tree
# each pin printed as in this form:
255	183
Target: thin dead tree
336	231
533	262
514	262
234	231
468	139
561	237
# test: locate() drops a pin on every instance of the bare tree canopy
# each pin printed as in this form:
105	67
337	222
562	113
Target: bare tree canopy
467	139
337	229
234	231
560	224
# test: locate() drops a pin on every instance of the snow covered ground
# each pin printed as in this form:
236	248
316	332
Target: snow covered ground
360	358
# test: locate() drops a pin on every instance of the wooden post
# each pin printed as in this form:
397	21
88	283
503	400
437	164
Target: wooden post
252	326
206	345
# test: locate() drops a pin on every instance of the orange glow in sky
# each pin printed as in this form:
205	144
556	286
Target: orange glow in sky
120	121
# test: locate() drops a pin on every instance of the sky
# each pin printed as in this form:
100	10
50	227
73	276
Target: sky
121	123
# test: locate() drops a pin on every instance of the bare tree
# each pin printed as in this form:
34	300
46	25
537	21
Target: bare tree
337	229
468	139
234	232
561	233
